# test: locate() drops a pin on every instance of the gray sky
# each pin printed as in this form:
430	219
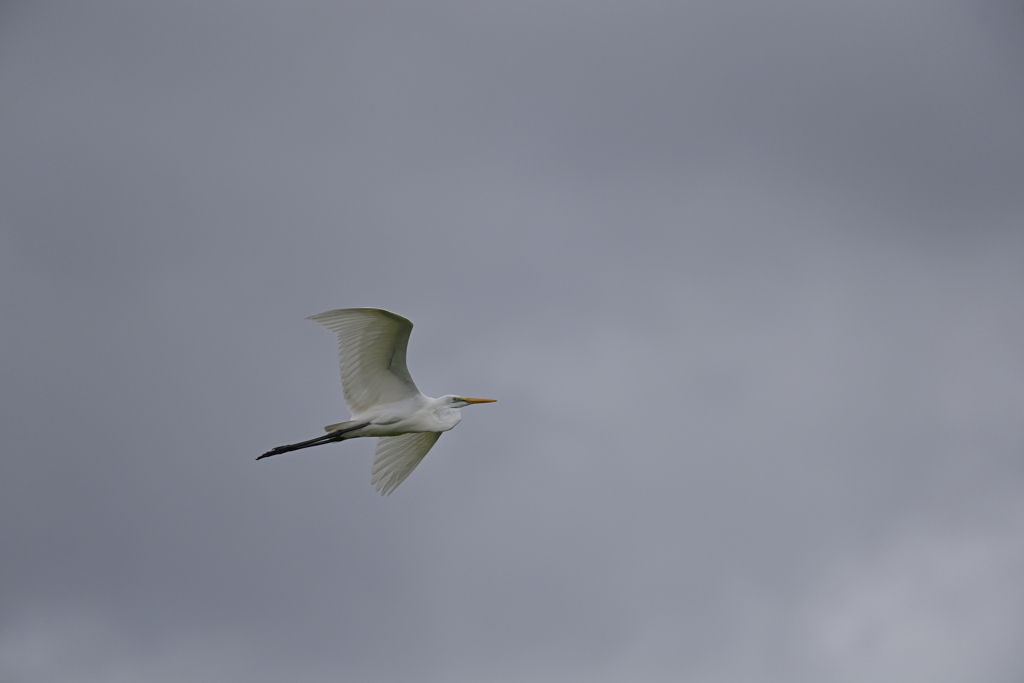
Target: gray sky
745	278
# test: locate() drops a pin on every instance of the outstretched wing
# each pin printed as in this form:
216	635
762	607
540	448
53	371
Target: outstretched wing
371	349
397	456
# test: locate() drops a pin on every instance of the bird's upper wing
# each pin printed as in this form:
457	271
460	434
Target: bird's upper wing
397	456
371	349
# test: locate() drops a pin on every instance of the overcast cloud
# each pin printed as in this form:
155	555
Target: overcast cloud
745	278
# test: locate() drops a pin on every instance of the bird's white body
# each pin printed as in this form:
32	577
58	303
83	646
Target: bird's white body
381	395
414	414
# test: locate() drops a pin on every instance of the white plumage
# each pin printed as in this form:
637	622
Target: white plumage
381	395
371	352
397	456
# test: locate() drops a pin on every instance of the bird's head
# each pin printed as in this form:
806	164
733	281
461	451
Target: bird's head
462	401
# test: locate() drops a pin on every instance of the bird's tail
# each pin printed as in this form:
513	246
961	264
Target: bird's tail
340	425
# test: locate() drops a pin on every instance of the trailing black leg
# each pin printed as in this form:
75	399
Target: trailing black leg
338	435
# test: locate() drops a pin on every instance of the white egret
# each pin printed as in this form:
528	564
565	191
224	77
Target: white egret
381	396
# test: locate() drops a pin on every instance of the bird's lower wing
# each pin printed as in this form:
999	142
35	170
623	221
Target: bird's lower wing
397	456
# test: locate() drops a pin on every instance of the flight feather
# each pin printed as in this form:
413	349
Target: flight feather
397	456
371	350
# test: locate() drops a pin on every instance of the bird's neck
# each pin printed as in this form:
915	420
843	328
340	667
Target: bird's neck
447	417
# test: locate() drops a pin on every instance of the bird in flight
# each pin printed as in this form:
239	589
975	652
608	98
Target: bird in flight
381	395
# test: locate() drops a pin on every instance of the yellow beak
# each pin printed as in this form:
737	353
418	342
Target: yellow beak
480	400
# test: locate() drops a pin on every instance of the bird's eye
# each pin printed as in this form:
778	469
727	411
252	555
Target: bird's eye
455	399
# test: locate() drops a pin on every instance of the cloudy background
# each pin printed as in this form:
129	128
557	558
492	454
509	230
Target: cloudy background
746	279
